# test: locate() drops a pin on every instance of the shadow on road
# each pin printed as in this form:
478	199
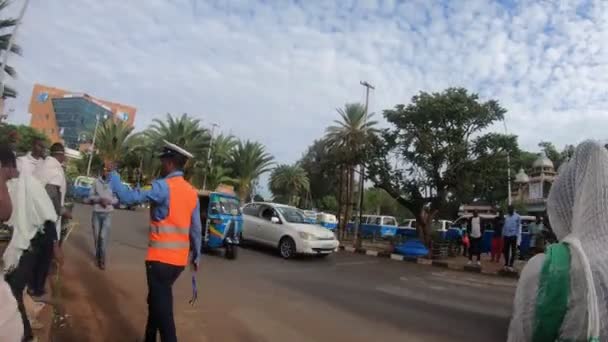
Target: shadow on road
84	285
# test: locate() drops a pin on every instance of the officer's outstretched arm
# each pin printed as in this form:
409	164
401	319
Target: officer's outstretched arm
127	196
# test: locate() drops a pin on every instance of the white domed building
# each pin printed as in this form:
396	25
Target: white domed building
533	189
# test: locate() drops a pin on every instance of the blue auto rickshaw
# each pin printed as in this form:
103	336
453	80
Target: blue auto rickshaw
81	187
222	222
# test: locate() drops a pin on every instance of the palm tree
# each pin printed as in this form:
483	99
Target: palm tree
114	140
248	161
290	181
348	139
183	131
6	25
218	172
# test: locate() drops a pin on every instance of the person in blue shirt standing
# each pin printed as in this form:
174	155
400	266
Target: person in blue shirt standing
175	230
511	234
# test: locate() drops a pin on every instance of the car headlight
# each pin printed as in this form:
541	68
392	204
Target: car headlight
307	236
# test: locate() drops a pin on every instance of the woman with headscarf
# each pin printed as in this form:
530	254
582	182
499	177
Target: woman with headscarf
562	294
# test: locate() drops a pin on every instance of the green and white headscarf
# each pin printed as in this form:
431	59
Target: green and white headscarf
578	213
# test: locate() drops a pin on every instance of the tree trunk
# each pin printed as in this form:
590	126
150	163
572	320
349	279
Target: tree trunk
424	222
340	202
350	173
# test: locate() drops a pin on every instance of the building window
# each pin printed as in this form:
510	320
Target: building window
47	116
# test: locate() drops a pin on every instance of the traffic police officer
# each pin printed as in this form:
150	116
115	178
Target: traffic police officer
175	230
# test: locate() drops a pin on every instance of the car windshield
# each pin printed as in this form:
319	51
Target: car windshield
227	205
292	215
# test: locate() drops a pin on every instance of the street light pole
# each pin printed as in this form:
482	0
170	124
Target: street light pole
93	145
362	167
11	42
510	201
213	126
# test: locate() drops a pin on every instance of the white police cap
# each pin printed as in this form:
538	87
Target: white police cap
171	150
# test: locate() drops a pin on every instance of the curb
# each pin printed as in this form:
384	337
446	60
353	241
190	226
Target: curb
428	262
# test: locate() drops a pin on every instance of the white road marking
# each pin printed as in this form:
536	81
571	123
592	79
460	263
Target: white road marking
446	301
397	257
350	263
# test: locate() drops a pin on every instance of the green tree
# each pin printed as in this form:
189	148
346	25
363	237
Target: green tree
432	140
290	181
321	166
328	204
6	25
25	136
183	131
218	172
249	160
114	140
348	141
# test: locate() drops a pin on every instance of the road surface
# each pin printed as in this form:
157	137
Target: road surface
260	297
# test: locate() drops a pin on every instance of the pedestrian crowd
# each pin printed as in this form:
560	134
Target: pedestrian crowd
506	237
33	189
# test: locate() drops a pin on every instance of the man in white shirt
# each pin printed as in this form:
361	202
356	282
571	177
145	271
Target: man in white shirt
11	325
476	235
28	163
51	175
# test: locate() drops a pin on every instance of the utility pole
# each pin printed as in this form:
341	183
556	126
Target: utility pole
508	166
209	161
98	116
11	41
357	240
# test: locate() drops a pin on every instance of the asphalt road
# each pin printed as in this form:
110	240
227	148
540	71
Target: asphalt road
260	297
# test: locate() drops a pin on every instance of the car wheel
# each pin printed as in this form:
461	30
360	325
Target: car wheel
287	248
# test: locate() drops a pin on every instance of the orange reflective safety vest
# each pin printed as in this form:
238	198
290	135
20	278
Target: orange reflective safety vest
169	239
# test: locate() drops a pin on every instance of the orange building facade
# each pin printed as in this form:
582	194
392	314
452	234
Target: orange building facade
70	117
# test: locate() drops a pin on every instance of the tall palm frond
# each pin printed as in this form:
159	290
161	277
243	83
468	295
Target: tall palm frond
183	131
113	140
248	161
7	24
289	181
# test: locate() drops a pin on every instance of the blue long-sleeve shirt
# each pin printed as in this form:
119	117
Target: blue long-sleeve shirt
512	225
159	195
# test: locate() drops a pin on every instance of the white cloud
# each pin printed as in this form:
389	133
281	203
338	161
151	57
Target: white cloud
275	71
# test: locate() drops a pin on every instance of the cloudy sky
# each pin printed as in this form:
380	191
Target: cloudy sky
275	70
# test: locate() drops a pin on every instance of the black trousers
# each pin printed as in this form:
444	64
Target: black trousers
43	245
17	280
510	250
161	277
475	248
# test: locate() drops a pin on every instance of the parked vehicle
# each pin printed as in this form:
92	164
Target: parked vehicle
487	223
378	225
310	216
287	229
408	229
328	221
222	221
82	187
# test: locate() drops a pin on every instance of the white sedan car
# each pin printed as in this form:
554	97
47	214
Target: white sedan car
285	228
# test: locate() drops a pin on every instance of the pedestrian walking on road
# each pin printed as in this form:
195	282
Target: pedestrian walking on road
175	230
475	233
561	294
33	220
11	325
497	240
28	163
103	200
511	232
52	176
